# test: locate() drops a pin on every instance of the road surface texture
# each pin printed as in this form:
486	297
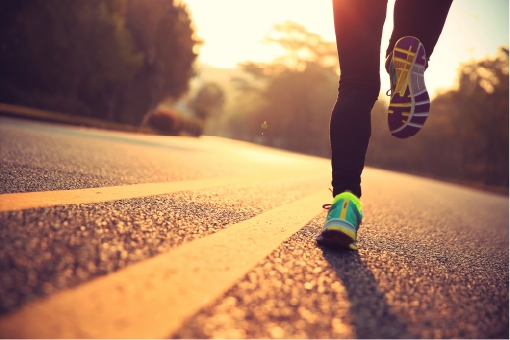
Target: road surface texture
106	234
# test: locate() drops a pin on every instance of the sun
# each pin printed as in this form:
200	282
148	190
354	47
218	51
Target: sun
232	30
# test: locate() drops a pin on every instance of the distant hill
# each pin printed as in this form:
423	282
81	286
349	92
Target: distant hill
223	77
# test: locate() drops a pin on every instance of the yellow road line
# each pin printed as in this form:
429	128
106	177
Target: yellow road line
151	299
28	200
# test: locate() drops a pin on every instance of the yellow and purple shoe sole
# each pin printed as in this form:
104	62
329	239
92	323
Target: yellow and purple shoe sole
410	104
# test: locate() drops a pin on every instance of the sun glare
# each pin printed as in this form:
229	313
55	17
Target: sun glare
233	30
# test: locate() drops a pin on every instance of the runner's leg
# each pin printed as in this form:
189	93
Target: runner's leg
423	19
358	28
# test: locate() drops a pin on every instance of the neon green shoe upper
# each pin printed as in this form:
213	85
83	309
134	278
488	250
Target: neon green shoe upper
347	207
342	223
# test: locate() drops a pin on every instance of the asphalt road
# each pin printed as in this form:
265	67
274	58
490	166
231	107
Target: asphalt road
432	261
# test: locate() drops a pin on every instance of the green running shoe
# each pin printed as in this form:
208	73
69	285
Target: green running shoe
342	223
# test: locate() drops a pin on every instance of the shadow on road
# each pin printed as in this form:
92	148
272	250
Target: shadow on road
372	316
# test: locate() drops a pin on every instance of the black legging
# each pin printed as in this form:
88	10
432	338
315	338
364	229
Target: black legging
358	28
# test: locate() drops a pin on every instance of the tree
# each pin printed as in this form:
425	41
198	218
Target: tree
482	101
208	101
294	102
113	59
64	55
466	134
163	33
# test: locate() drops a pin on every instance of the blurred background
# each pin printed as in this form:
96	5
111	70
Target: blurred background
263	71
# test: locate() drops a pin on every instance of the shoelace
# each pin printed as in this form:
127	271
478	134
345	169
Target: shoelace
327	205
388	93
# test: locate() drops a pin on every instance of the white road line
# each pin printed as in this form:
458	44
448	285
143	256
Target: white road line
151	299
28	200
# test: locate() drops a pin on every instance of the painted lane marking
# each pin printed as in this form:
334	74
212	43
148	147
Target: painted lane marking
151	299
29	200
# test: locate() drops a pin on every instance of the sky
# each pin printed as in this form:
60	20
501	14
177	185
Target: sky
232	31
